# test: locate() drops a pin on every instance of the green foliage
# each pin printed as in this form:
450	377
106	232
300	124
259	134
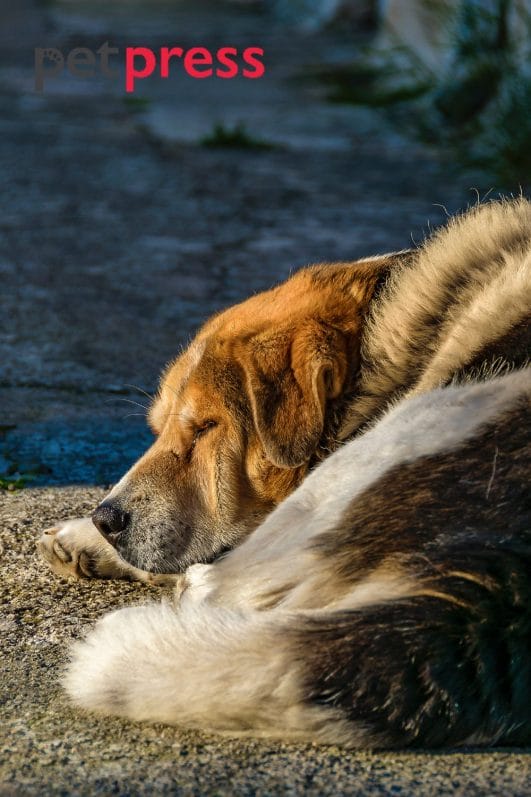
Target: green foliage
484	104
478	110
13	484
136	104
13	479
504	145
365	83
16	477
235	137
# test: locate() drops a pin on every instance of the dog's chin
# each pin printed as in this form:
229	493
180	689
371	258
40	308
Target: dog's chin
167	562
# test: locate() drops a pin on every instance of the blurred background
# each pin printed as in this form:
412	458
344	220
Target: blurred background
128	219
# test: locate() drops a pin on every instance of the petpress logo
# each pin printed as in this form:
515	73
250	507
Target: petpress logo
141	62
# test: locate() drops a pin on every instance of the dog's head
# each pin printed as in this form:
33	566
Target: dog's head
239	418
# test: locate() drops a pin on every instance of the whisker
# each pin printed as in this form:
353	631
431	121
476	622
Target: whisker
130	401
135	387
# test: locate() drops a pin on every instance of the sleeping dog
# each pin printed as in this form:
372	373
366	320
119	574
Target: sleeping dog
359	436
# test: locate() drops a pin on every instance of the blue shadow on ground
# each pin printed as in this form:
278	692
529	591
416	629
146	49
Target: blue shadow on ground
87	451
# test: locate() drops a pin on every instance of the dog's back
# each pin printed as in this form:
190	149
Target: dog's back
456	308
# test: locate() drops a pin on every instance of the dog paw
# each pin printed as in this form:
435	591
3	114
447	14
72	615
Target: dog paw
76	549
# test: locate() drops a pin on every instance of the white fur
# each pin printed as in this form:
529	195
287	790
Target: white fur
497	307
277	553
225	657
75	548
152	663
65	547
215	663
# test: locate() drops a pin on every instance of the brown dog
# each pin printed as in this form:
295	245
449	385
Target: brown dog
385	599
271	386
255	401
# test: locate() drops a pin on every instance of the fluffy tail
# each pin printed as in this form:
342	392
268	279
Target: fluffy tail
201	666
446	667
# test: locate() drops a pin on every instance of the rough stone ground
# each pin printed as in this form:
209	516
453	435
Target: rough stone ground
119	234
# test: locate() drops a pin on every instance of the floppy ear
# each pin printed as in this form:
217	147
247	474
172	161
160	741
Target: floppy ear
290	375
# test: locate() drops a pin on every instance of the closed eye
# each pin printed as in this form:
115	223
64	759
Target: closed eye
205	427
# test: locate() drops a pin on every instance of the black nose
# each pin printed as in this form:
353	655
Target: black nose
110	521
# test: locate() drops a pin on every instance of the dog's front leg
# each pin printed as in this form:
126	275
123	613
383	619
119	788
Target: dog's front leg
76	549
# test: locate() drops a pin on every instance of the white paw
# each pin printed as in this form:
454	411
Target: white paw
76	549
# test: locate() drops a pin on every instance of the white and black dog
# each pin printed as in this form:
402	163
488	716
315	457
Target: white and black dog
360	437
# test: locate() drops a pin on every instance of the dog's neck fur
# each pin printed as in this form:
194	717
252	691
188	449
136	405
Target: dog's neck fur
431	307
365	282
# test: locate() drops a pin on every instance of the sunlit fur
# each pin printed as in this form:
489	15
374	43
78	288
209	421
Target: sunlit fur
359	437
313	630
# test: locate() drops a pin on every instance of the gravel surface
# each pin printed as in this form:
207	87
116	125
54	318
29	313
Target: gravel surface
119	234
48	748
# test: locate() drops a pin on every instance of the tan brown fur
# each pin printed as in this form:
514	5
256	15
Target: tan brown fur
272	386
240	414
385	601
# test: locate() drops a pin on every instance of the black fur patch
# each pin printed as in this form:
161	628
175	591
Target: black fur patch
513	348
477	493
451	664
